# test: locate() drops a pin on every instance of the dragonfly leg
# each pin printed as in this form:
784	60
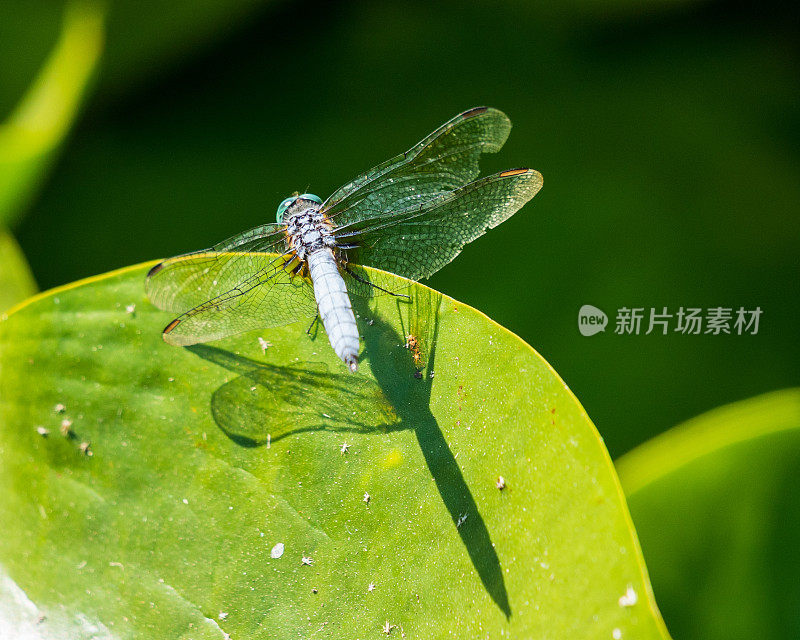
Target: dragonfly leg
313	322
363	281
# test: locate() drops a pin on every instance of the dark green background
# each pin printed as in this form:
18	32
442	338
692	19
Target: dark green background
668	135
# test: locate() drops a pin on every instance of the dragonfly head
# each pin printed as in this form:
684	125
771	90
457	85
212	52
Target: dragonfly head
288	202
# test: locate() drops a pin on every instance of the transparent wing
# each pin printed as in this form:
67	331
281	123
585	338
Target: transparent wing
420	240
185	281
271	297
240	284
446	159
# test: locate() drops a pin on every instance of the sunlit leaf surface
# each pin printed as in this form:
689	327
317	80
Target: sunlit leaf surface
715	503
258	489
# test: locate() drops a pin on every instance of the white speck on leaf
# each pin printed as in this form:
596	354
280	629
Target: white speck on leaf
42	431
501	483
344	448
367	498
461	519
629	598
277	550
223	615
264	344
387	628
131	309
307	560
371	587
59	408
616	634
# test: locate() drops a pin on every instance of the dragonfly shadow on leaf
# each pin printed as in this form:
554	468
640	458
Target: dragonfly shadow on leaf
406	378
267	402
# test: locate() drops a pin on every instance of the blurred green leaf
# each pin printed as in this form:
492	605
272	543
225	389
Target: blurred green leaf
32	134
16	280
206	459
715	504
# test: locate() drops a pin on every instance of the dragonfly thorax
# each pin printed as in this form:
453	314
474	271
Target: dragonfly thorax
308	231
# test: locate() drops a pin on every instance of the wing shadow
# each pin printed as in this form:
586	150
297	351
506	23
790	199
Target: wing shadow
266	403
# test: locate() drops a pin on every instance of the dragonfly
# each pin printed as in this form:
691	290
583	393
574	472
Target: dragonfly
408	216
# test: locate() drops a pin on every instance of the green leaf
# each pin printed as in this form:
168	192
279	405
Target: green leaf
16	280
715	504
33	133
205	459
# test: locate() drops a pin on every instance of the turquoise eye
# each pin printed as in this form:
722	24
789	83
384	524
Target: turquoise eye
283	206
312	197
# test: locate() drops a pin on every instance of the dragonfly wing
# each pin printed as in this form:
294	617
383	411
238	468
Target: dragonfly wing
242	283
270	297
183	282
445	160
418	241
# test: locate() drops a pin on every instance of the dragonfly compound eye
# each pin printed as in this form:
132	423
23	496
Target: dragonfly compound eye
312	197
283	206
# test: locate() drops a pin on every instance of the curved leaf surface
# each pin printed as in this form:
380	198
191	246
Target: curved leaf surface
265	492
715	503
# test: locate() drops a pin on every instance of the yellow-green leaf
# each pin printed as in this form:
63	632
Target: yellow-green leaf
261	490
16	280
715	503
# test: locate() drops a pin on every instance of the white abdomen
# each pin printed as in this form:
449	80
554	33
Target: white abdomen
334	306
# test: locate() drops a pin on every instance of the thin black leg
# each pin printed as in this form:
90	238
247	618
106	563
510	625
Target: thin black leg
360	279
313	322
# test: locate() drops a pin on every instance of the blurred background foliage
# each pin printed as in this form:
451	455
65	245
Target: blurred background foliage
668	134
34	130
